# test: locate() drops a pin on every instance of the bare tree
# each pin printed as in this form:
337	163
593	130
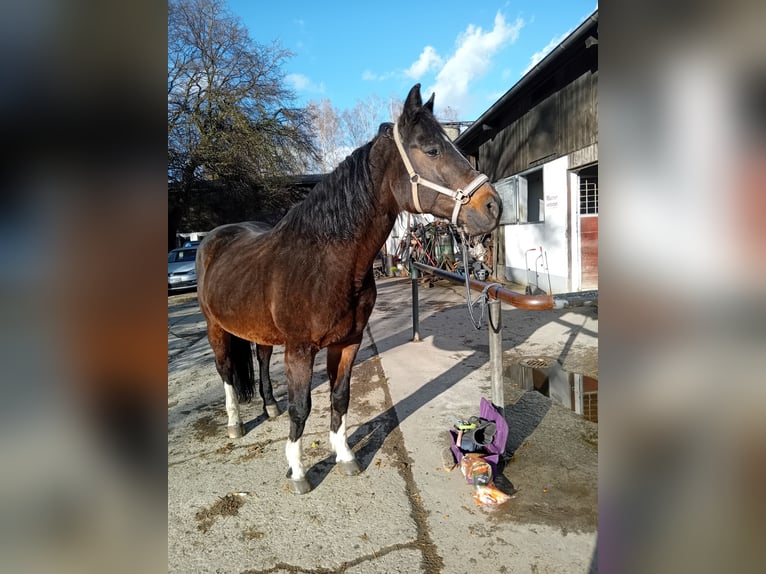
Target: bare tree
338	133
394	107
230	114
448	114
362	121
328	135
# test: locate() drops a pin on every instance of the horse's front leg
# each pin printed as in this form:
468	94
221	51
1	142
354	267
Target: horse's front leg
340	358
299	364
263	352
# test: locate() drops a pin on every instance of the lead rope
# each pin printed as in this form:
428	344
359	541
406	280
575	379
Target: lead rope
482	299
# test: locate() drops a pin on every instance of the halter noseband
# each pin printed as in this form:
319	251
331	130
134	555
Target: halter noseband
461	196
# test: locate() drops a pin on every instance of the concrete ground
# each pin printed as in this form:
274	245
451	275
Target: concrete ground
229	510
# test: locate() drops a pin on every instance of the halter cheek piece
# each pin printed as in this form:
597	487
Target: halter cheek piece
461	196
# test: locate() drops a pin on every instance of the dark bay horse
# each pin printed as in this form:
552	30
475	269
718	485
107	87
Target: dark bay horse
308	283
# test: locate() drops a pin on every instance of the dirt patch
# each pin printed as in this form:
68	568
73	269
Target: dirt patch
590	435
366	379
252	534
256	450
225	449
206	427
228	505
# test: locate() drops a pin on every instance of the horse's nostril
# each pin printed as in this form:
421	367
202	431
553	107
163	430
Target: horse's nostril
493	208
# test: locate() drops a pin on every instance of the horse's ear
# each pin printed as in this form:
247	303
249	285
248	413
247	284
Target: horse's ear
413	103
429	105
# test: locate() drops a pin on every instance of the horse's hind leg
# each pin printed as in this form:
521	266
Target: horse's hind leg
263	352
340	358
299	363
234	362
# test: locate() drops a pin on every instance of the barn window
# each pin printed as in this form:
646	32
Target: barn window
523	198
531	206
589	191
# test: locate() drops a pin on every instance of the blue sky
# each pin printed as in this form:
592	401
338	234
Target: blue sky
469	53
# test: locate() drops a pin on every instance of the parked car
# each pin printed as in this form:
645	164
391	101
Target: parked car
181	270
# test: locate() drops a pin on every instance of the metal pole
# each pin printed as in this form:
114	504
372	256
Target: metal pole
415	318
518	300
496	352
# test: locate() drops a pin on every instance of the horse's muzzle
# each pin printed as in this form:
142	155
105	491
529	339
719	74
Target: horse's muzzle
482	213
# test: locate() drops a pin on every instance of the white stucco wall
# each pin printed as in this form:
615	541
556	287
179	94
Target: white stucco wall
551	234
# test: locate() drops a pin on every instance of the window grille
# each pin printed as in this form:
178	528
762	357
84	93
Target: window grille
588	194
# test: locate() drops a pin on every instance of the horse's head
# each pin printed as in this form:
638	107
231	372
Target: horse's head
440	179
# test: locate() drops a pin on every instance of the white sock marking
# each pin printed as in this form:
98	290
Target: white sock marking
339	444
232	405
293	453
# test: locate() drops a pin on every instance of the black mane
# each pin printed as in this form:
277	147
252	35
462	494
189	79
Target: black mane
338	207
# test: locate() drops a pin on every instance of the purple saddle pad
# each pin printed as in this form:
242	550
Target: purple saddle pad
494	449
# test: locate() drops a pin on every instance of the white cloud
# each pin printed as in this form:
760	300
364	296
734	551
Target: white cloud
302	83
472	59
370	76
537	57
428	60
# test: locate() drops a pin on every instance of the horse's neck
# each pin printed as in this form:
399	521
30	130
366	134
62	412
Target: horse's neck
379	216
374	236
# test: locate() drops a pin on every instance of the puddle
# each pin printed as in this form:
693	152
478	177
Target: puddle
546	375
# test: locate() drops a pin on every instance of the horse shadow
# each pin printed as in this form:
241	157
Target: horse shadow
523	416
368	438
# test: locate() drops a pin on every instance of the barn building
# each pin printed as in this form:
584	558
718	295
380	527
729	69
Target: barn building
539	146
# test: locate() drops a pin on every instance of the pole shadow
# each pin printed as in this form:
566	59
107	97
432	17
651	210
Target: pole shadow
523	417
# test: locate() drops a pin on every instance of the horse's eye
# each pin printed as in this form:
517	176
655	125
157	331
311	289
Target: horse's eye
433	152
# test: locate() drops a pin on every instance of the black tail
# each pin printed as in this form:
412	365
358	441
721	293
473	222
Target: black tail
241	356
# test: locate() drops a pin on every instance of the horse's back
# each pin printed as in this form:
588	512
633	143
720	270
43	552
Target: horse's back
221	246
223	237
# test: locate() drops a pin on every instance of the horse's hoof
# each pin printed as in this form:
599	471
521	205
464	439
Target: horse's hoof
236	431
273	411
349	467
301	486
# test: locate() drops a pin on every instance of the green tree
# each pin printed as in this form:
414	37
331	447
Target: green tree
231	117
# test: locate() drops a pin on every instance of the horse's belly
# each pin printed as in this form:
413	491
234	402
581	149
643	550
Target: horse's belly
241	316
256	327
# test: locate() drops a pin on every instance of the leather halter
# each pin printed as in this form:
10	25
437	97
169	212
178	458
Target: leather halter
461	196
